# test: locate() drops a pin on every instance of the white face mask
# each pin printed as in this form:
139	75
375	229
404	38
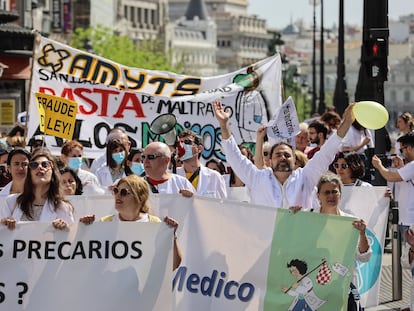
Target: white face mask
188	152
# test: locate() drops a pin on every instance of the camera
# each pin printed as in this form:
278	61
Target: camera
386	160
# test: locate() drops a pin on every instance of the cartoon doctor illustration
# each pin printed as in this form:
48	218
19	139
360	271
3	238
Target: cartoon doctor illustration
250	105
305	298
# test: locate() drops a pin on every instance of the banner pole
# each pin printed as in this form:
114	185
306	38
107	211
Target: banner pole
29	93
396	254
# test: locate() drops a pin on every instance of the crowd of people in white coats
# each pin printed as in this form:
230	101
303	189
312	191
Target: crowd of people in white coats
330	152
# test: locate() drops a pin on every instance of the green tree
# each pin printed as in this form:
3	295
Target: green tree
103	41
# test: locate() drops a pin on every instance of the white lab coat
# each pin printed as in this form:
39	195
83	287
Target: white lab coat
210	183
9	208
265	189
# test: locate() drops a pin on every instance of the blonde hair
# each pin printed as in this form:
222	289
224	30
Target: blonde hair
301	158
17	141
139	189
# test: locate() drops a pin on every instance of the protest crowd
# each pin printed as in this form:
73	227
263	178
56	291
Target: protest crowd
37	186
305	173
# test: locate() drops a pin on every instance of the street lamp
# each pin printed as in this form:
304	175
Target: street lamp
340	99
314	3
296	84
305	90
285	68
322	106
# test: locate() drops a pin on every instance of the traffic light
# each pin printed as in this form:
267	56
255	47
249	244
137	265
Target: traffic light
376	54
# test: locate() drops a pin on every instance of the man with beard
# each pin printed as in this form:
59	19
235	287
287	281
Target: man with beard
317	135
281	187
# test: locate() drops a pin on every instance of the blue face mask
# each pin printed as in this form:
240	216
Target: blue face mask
137	168
118	157
188	152
75	163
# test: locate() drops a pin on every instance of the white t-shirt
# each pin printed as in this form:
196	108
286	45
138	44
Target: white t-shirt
355	137
405	195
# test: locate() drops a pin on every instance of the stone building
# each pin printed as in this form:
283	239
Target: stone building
242	39
16	45
192	40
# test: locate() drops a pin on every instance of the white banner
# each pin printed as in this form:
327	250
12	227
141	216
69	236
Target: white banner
363	202
370	204
105	266
231	253
285	123
109	94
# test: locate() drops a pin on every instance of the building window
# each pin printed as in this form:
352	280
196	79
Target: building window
139	19
407	77
407	96
132	16
145	16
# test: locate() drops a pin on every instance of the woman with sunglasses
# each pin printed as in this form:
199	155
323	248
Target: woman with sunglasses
350	168
131	195
42	198
329	191
17	165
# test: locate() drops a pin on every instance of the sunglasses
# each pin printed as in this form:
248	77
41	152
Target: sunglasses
44	164
123	192
150	156
265	153
343	165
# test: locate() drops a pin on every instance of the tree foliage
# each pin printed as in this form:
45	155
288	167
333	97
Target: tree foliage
103	41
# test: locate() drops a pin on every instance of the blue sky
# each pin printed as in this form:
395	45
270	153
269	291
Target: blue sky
295	9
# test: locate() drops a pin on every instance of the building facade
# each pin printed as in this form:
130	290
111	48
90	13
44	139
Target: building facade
192	40
242	39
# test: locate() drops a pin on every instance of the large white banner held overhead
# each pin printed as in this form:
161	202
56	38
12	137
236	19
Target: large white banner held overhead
109	94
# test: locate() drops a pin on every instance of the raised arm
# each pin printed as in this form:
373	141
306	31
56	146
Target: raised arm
391	176
222	117
347	119
258	155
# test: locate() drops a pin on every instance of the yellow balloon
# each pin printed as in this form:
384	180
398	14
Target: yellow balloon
370	114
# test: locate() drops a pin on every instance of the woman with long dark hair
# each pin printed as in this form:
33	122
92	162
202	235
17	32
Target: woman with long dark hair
42	198
116	159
